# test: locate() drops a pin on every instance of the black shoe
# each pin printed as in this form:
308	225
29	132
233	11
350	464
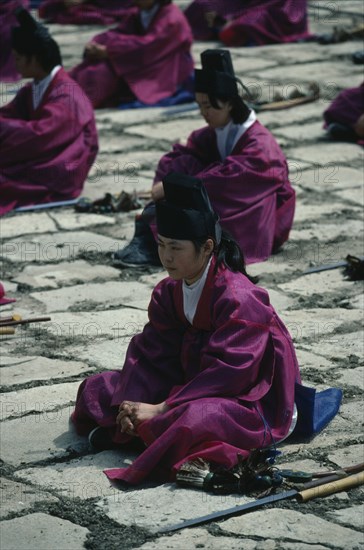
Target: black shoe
340	132
141	251
100	440
358	57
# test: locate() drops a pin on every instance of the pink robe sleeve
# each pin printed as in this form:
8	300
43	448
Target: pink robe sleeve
256	165
238	359
127	51
249	189
152	364
53	127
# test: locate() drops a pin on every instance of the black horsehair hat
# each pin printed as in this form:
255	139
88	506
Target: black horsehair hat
32	38
217	74
186	212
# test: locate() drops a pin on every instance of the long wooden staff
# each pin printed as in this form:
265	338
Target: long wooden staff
313	489
6	323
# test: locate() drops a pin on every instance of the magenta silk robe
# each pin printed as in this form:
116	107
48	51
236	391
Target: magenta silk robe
347	108
8	72
46	153
152	64
250	189
251	22
228	378
91	12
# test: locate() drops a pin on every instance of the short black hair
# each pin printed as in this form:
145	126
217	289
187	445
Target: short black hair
239	109
31	38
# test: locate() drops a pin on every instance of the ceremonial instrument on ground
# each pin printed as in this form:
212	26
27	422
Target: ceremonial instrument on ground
44	206
323	486
6	330
10	323
14	317
330	488
328	267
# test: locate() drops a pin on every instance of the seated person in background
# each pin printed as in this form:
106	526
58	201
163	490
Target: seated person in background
146	57
83	12
213	373
240	163
8	72
48	138
344	119
248	22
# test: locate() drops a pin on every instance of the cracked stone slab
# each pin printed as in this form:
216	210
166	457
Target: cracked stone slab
245	65
328	281
192	539
291	526
322	442
129	117
43	532
118	325
81	478
348	456
324	73
323	153
173	130
274	265
352	516
317	323
332	177
133	161
103	354
302	132
23	369
306	360
300	464
37	400
325	233
342	346
114	183
353	377
353	194
153	279
119	143
289	117
353	411
357	302
279	300
16	497
48	248
120	293
305	212
174	505
52	432
349	418
25	224
64	273
68	220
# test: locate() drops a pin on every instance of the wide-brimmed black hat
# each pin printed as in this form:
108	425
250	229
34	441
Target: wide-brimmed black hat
32	38
217	75
186	212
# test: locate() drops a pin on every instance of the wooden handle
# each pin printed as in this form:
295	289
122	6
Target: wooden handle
331	488
14	317
25	321
6	330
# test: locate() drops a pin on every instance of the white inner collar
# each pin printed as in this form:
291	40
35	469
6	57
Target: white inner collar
192	294
39	88
146	16
228	136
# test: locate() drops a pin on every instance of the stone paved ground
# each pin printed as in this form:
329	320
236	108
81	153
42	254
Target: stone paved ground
57	262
